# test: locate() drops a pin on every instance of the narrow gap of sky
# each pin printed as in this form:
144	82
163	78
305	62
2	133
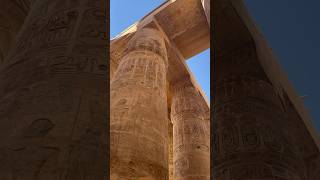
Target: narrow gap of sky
124	13
200	67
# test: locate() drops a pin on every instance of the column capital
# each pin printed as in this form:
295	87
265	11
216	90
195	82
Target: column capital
148	40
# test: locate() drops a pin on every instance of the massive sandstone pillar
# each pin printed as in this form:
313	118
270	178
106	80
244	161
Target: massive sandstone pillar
249	140
53	95
139	117
191	138
12	16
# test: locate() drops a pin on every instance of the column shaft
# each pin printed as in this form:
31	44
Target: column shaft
12	15
139	121
53	94
191	138
249	140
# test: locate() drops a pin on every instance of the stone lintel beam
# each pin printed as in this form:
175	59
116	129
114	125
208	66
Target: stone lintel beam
184	22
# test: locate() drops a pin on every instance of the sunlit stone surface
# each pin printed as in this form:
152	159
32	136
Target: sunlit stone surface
159	116
139	122
191	137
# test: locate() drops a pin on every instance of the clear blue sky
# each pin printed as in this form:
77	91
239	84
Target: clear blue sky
292	29
124	13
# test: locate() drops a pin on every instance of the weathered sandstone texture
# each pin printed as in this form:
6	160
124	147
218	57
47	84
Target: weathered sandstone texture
139	121
191	137
260	128
159	127
53	94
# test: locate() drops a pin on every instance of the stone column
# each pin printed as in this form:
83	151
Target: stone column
191	138
12	16
53	94
139	112
249	139
5	38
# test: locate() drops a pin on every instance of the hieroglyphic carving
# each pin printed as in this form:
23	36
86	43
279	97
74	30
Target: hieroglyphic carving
249	139
49	32
93	18
55	97
39	128
138	125
92	35
191	140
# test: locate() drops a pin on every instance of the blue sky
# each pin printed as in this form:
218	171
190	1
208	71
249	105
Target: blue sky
124	13
292	28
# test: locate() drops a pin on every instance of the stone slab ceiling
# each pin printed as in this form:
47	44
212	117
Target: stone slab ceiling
185	23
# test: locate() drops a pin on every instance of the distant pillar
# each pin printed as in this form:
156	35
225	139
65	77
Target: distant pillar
139	112
249	134
53	94
191	138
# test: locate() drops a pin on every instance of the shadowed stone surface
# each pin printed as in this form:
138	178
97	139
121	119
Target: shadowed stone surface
12	16
261	129
53	94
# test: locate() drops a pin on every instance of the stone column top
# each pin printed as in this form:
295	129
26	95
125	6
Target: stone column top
148	39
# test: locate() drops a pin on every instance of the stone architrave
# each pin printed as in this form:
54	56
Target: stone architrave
191	137
139	112
53	94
